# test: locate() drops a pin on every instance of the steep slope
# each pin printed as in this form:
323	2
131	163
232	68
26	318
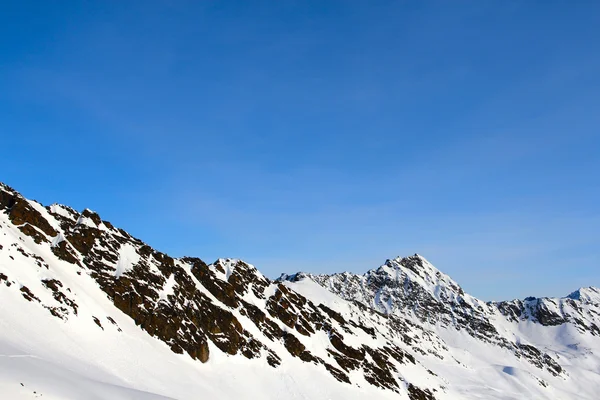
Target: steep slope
88	311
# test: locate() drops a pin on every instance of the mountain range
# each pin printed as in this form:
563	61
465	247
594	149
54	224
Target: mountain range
88	311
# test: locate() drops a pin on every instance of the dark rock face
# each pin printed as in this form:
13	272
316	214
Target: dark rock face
415	393
62	312
24	215
532	308
581	310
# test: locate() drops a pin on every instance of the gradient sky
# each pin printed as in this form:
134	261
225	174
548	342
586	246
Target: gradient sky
318	135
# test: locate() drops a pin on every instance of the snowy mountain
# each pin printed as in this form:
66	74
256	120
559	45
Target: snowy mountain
90	312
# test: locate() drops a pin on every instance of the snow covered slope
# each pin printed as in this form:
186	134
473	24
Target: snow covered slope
89	312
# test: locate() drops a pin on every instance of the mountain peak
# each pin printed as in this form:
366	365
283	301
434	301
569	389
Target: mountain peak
417	268
587	294
401	285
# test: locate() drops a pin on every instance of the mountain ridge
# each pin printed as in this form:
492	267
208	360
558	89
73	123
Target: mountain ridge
398	331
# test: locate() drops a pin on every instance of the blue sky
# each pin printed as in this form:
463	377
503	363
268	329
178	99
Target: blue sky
318	135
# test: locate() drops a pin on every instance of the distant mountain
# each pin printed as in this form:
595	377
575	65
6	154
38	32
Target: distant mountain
90	312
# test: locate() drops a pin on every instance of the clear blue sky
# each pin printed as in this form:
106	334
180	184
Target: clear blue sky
318	135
